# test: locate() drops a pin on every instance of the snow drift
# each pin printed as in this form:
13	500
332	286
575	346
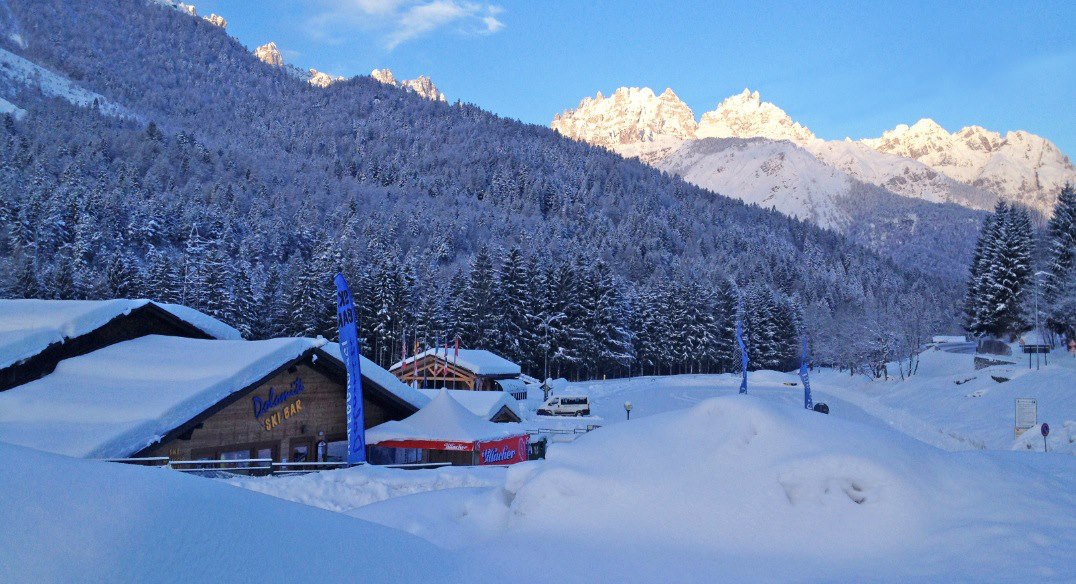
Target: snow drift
68	520
741	488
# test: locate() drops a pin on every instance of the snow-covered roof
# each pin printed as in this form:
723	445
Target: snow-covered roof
485	404
443	418
117	400
382	377
209	325
477	361
27	327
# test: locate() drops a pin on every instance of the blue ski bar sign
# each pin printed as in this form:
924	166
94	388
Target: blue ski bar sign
349	352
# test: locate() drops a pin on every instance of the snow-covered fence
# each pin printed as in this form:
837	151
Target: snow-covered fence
255	466
578	430
143	461
250	466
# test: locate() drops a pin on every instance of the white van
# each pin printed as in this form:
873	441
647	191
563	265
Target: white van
566	405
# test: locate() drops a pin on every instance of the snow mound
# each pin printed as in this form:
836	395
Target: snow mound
68	520
1062	438
742	488
768	476
347	489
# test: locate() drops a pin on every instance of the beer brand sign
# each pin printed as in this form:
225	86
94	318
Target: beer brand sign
504	451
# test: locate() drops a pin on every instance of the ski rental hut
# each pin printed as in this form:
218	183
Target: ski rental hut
473	369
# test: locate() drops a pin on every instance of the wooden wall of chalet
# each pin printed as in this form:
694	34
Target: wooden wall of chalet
145	320
318	413
435	372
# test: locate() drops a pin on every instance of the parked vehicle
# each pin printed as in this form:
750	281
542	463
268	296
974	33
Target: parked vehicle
566	405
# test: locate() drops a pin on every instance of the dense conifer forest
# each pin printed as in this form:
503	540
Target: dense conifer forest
205	177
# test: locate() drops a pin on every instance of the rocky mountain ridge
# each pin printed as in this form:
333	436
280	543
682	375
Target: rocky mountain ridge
972	167
421	85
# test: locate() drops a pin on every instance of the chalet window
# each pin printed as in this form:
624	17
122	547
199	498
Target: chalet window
235	455
336	451
299	453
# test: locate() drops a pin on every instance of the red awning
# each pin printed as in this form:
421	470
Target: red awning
428	444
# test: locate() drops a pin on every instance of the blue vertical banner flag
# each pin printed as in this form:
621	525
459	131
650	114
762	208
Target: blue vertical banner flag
808	403
743	355
349	352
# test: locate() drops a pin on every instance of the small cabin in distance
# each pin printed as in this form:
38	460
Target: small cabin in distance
471	369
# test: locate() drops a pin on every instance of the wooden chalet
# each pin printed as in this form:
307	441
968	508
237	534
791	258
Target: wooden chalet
471	369
194	400
35	335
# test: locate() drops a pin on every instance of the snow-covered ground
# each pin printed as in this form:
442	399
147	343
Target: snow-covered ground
701	485
71	520
746	488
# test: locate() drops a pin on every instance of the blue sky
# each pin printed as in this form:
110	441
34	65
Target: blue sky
842	69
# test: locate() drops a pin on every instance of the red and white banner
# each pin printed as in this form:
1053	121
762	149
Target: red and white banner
428	444
504	451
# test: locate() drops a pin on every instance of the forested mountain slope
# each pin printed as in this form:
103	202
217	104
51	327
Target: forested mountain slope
235	187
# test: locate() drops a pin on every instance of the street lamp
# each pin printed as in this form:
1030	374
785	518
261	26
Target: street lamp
627	409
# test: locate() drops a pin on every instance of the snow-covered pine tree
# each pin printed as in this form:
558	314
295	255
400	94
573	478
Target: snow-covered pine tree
1008	274
761	327
191	268
606	319
26	283
62	278
122	279
243	309
725	306
479	312
161	282
271	313
1059	290
514	289
306	293
565	328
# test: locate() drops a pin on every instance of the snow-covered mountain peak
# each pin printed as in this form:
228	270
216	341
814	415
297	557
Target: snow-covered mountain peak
745	115
972	167
384	76
979	138
631	115
421	85
269	54
216	20
1020	166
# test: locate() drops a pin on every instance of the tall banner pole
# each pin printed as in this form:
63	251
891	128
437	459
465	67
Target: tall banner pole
349	352
808	403
743	355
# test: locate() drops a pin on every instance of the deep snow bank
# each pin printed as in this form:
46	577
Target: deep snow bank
67	520
742	487
346	489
